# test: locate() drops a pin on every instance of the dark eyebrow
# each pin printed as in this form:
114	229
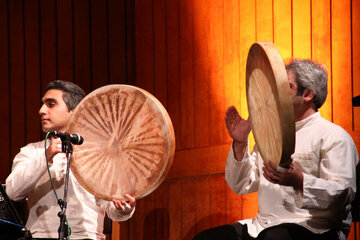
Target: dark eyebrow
49	100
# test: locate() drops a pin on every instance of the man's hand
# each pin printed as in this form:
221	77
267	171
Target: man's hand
53	149
239	130
292	176
127	206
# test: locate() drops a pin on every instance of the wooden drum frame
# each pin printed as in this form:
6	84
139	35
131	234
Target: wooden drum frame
270	104
129	142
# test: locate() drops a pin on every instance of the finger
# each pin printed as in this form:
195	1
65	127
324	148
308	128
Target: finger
118	204
131	199
272	165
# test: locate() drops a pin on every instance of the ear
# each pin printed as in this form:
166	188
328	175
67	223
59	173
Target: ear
308	95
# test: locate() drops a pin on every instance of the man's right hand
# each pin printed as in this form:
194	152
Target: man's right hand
238	129
53	149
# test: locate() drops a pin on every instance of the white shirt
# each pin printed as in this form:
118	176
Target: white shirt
30	178
327	156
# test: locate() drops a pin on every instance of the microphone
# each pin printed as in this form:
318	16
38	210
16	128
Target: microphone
73	138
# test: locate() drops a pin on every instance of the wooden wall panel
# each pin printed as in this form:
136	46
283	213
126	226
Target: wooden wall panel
247	38
172	90
202	203
117	41
65	50
231	54
186	76
99	44
201	73
5	156
321	45
264	21
301	28
282	27
16	77
192	56
144	44
341	62
48	49
356	59
32	70
82	53
216	73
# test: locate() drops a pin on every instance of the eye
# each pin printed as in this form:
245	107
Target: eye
50	104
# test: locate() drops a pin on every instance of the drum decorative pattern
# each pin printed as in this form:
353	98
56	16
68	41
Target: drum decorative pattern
128	142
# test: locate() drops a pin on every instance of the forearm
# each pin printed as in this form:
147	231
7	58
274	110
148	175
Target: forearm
239	150
113	213
25	173
241	176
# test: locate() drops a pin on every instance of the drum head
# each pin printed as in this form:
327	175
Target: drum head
129	142
270	104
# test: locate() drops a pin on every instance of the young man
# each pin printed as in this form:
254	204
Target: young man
29	176
311	199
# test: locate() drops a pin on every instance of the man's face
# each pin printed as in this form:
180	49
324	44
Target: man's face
54	113
297	99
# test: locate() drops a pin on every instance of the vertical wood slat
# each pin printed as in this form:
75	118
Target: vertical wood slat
99	44
188	209
81	26
144	44
264	20
216	77
175	210
301	25
218	201
321	46
32	70
247	38
5	93
341	63
283	28
162	212
48	41
161	22
356	59
148	224
201	73
65	54
231	64
172	92
117	65
186	75
202	204
130	41
16	73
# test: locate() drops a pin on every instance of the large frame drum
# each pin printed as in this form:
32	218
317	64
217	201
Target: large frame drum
129	142
270	104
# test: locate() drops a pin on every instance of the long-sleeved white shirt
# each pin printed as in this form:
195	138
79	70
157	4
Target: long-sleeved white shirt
30	178
327	156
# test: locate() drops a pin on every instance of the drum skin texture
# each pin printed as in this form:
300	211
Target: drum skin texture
129	142
270	104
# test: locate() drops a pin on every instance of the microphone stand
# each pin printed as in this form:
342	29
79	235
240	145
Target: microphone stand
63	229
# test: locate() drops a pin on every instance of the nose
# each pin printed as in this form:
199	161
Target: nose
42	109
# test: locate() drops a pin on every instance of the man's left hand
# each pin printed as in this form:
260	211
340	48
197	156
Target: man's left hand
125	206
292	176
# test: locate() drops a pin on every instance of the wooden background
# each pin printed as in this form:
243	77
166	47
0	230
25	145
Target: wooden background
191	55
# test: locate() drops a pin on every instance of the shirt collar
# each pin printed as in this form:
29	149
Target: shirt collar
300	124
